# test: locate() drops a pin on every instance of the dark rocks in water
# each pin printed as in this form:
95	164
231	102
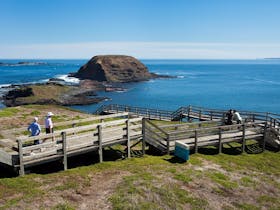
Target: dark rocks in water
56	80
23	91
114	68
23	63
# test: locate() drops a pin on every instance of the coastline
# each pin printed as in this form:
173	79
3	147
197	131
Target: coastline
254	84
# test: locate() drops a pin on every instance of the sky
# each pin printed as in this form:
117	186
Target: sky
147	29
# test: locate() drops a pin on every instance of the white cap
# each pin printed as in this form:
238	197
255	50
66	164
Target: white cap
50	114
36	119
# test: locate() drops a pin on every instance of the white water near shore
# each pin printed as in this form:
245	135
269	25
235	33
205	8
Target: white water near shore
240	84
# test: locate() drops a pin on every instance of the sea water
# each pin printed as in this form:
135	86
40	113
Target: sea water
237	84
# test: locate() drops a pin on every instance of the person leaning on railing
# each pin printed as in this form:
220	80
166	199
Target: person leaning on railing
237	117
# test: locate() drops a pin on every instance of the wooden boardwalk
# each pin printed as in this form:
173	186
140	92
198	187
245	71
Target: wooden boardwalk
261	126
164	137
125	124
22	153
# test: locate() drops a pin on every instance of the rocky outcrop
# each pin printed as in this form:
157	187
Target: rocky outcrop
114	68
50	93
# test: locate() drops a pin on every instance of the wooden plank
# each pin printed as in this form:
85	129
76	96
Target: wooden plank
5	157
37	156
8	143
64	150
128	137
100	150
29	149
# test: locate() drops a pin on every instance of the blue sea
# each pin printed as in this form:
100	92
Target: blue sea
238	84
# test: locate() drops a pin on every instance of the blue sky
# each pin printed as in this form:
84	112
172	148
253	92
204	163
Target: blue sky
143	28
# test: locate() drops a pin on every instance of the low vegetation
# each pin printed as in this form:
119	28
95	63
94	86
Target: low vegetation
152	182
230	180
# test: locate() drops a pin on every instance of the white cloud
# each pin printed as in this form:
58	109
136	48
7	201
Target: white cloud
158	50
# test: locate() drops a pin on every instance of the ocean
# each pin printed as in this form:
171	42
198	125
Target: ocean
223	84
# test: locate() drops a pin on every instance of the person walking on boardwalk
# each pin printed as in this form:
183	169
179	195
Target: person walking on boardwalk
237	117
49	123
229	116
35	129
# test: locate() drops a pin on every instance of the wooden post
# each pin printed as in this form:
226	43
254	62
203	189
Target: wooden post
195	142
223	118
200	115
128	138
168	144
243	138
99	127
143	136
211	115
220	140
189	112
64	150
20	155
264	136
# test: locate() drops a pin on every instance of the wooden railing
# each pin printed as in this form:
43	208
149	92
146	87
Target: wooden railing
139	111
80	139
201	134
71	123
155	136
195	112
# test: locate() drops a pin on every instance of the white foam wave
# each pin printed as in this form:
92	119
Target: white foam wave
180	76
68	79
4	85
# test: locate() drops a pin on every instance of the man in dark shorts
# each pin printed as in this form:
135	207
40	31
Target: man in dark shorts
49	123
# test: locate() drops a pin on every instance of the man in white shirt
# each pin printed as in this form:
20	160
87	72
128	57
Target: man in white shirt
49	123
237	117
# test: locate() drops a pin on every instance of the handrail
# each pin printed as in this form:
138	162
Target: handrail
272	119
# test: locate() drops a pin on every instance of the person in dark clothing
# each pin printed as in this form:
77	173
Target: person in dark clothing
229	116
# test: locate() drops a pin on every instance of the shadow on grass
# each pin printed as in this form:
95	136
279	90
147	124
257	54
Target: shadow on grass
79	160
229	150
175	159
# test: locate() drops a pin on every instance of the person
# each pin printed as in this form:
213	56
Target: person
229	116
35	129
49	123
237	117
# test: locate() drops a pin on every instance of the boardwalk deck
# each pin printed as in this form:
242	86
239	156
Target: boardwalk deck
95	133
22	153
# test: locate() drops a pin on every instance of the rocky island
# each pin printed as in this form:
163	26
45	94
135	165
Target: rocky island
104	72
114	69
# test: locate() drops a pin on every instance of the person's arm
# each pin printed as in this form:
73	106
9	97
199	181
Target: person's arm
39	129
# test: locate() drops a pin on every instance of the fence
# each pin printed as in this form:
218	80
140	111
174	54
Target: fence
77	140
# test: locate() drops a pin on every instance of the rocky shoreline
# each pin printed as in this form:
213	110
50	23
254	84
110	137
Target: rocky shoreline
101	73
50	93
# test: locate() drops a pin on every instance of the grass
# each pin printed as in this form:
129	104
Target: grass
8	112
151	182
63	206
222	180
